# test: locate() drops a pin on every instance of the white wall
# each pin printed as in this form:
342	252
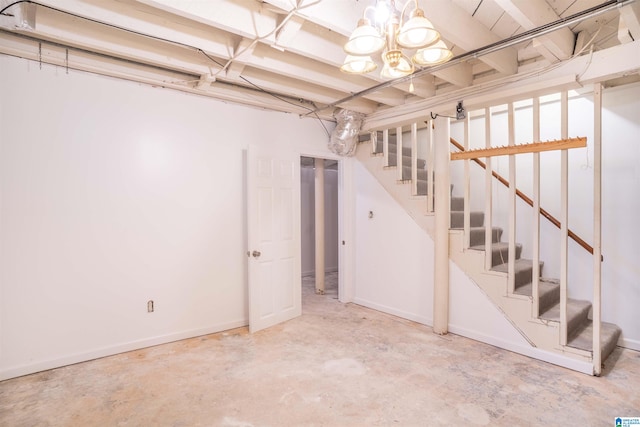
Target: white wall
394	256
112	194
621	185
307	188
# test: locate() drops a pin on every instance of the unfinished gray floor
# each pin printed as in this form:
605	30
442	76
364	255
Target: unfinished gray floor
336	365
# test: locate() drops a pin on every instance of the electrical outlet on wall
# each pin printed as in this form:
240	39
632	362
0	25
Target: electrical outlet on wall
150	306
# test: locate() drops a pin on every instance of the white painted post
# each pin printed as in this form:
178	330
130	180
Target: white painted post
512	202
442	212
374	141
385	146
414	159
535	283
564	215
346	230
597	227
430	166
488	193
319	220
467	184
399	163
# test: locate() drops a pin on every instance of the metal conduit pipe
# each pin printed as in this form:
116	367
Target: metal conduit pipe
490	48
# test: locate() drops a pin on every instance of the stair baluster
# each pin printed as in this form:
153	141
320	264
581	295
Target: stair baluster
467	184
399	154
535	275
488	193
512	201
429	159
564	217
414	159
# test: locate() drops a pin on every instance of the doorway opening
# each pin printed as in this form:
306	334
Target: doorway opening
319	227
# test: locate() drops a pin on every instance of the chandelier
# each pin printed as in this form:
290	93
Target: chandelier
390	33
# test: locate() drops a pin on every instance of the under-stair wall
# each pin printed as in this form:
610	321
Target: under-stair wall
410	202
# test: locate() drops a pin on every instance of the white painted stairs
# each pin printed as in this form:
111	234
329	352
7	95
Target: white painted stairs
542	332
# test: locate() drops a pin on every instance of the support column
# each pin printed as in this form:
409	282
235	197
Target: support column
442	215
597	228
319	222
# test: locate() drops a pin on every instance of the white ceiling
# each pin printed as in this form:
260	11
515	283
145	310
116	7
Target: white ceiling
285	54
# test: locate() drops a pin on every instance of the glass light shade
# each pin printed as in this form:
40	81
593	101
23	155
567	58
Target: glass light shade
358	64
432	55
403	67
417	32
364	40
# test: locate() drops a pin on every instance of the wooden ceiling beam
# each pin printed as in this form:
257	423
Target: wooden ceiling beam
629	25
460	28
530	14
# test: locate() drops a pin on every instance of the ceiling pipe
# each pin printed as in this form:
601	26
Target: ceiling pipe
490	48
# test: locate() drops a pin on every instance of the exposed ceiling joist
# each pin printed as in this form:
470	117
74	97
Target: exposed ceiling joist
457	26
534	13
285	54
629	27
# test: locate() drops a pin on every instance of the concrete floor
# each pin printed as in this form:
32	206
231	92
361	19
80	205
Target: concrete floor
336	365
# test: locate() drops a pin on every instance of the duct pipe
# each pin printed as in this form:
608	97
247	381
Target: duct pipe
442	213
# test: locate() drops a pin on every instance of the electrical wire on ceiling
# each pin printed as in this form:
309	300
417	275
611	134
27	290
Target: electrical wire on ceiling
314	110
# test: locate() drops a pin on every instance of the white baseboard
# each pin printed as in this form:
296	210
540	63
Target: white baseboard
26	369
525	350
390	310
629	343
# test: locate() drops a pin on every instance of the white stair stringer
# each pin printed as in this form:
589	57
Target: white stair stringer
543	335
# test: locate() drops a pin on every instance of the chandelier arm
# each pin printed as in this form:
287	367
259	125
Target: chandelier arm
370	7
404	9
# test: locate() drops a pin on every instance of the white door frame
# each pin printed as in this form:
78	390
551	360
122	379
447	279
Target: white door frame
346	224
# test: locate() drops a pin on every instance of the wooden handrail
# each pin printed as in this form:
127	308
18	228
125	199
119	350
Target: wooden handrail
534	147
526	198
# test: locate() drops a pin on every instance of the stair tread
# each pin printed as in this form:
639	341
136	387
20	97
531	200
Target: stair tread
497	246
544	286
583	337
574	307
478	229
521	264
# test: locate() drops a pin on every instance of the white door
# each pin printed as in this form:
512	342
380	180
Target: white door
273	192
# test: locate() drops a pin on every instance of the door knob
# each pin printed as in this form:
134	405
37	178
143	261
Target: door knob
256	254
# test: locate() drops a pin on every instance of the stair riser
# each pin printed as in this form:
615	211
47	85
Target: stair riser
574	322
422	173
501	256
457	219
406	151
457	204
524	277
548	299
406	161
476	236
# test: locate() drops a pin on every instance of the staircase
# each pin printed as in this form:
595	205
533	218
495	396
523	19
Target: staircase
541	331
